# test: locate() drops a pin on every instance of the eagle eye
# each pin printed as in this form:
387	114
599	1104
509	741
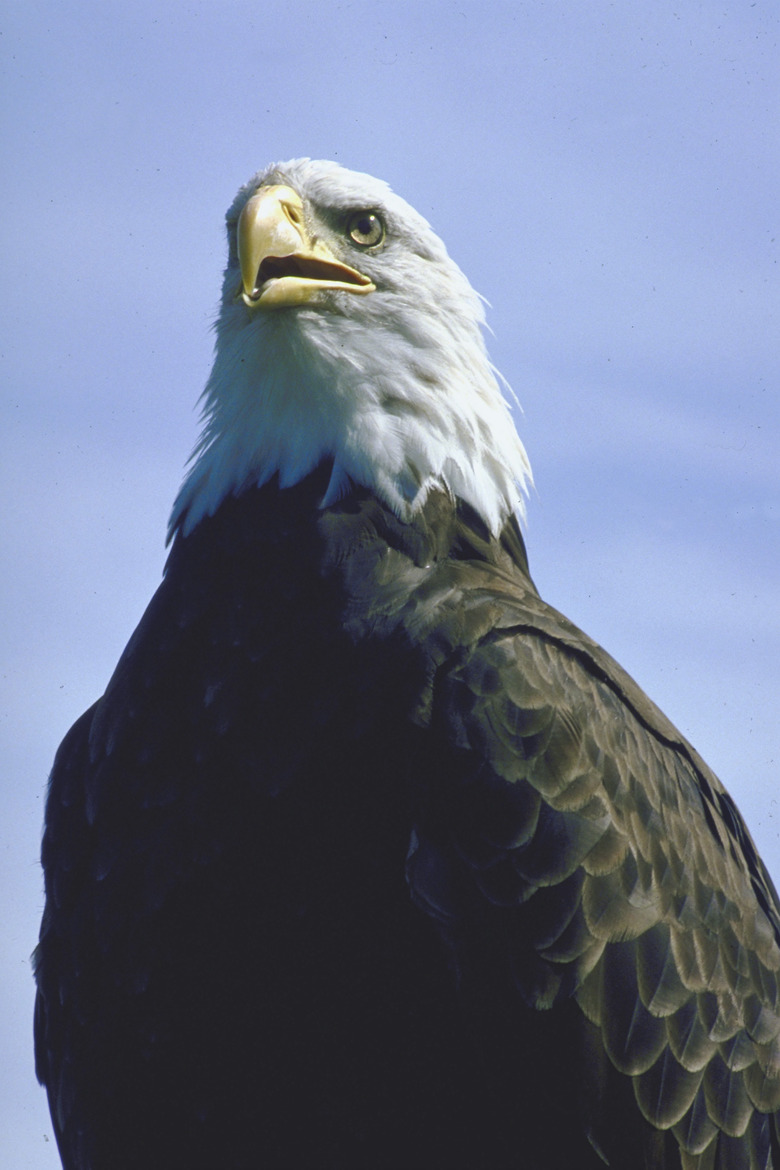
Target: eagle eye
366	229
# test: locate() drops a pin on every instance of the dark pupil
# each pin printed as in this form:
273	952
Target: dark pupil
366	225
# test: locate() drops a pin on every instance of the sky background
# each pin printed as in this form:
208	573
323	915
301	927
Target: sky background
607	176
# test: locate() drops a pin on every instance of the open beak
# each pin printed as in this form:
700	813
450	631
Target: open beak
280	265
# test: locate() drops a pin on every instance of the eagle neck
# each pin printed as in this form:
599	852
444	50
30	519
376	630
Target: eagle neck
349	540
409	413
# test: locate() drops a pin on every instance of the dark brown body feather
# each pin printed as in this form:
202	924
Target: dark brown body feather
369	858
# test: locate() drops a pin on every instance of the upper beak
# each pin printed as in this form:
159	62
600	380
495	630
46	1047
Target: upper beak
280	264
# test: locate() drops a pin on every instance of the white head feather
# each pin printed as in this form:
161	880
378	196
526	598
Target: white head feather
395	387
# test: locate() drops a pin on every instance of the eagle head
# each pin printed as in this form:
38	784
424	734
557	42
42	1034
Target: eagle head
346	334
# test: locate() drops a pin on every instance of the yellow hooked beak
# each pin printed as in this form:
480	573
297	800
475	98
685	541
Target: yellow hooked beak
280	265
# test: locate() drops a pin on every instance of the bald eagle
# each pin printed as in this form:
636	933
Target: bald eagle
367	857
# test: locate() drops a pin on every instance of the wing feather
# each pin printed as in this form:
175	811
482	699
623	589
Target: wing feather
623	880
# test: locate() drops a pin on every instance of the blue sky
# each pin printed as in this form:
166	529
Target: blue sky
607	176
